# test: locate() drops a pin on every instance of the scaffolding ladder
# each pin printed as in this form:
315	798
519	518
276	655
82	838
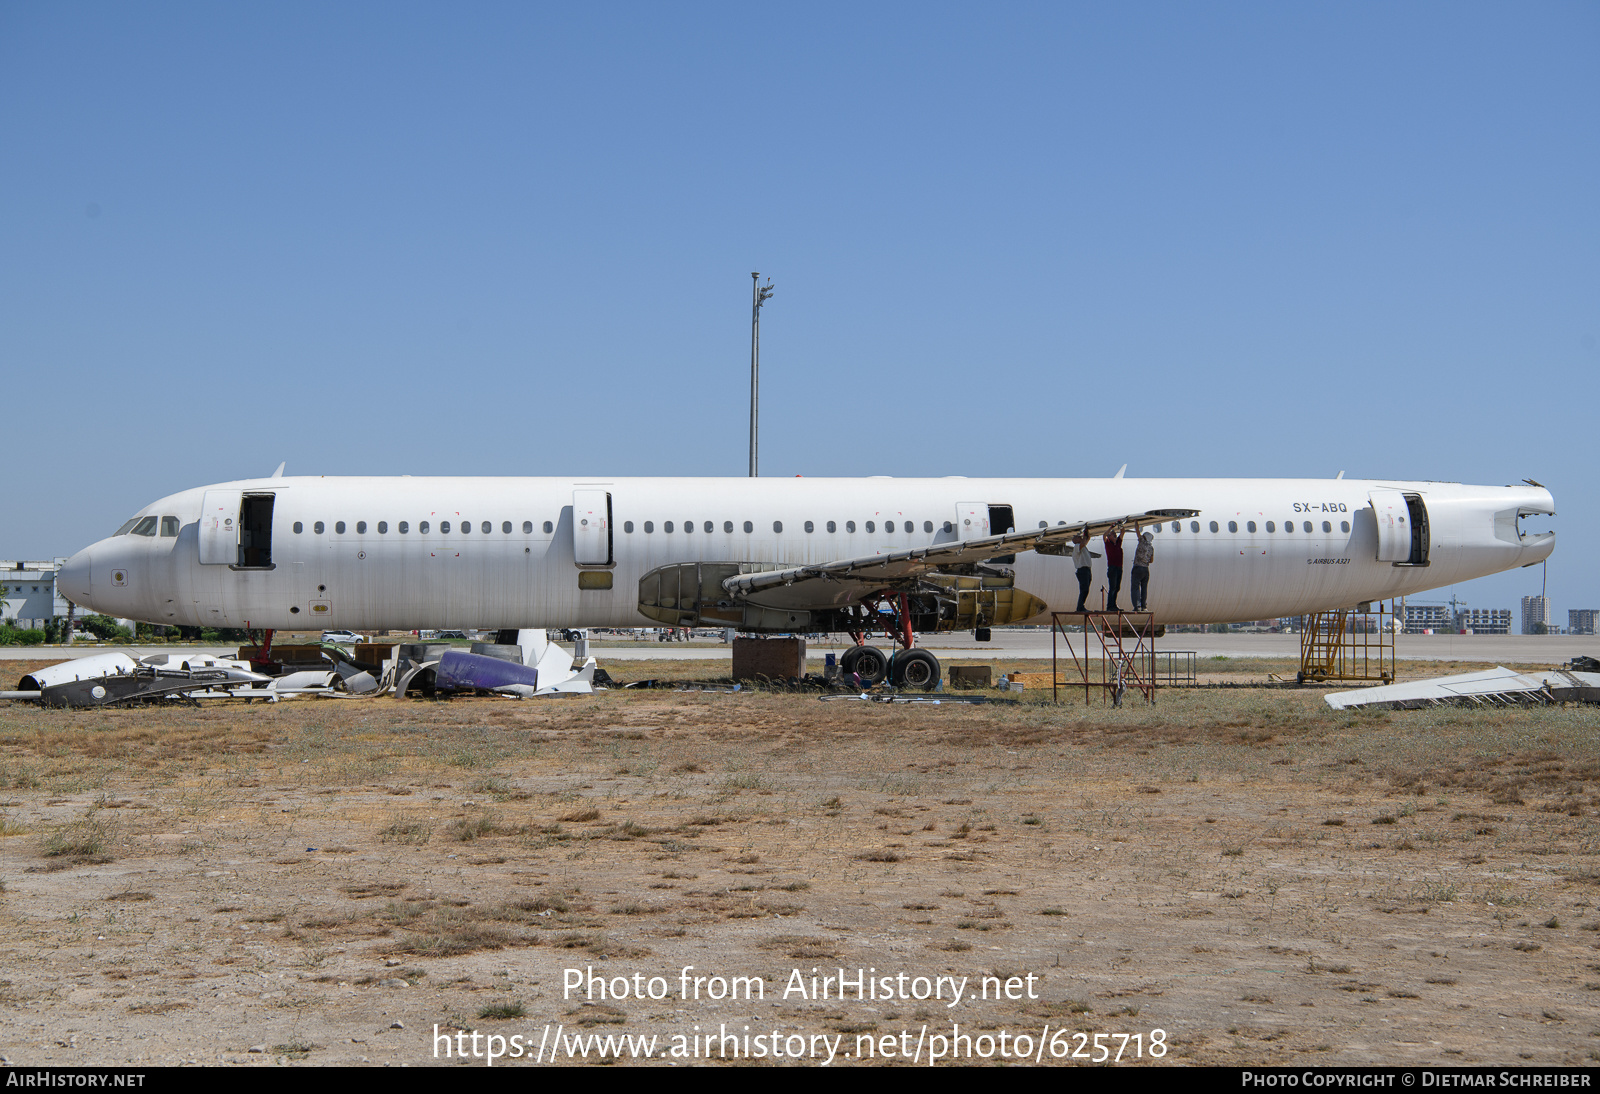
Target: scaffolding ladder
1348	645
1127	658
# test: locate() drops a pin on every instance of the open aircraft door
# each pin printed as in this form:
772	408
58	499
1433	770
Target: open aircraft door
591	527
972	519
219	527
1402	527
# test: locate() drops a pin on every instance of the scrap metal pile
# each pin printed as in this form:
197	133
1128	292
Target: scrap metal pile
531	667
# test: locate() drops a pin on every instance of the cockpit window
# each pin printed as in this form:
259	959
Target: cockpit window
169	526
146	526
127	527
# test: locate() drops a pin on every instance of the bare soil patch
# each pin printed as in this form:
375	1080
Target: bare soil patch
1263	879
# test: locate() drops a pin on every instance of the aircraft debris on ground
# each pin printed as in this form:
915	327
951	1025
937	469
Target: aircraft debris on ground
532	667
1498	686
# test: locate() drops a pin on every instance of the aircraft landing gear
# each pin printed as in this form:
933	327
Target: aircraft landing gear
909	667
867	662
914	669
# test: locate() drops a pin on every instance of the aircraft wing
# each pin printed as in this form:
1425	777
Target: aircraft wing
834	584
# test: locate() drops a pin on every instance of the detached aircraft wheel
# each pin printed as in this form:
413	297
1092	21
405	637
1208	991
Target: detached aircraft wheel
916	669
869	663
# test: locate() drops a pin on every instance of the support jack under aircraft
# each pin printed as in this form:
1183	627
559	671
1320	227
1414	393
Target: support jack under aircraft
857	556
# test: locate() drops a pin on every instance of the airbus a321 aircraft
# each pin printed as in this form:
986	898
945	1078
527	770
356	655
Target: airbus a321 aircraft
884	555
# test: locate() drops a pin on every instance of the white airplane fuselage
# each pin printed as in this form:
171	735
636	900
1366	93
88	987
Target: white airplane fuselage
407	553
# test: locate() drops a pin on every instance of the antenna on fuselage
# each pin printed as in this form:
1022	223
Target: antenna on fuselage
278	474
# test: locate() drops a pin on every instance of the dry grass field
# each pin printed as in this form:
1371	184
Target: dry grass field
1258	877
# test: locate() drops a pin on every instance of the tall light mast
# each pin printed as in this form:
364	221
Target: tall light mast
758	296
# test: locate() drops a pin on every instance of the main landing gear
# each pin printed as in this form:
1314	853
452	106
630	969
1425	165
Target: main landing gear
908	667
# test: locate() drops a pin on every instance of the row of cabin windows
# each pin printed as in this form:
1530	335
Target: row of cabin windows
710	526
404	527
1250	526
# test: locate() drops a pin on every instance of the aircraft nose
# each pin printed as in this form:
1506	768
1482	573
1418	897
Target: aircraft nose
73	578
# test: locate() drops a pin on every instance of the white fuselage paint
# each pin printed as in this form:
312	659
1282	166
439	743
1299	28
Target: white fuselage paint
391	580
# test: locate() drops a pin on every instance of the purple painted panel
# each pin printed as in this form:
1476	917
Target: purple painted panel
457	671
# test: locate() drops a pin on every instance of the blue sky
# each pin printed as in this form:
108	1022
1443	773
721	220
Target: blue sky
1212	240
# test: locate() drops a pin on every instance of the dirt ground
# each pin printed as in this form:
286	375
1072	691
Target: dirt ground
1232	876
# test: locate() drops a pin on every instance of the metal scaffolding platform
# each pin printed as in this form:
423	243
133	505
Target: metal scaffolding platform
1126	661
1349	645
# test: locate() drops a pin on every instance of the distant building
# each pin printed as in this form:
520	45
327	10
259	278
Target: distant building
1536	610
1426	618
1582	620
30	594
1485	621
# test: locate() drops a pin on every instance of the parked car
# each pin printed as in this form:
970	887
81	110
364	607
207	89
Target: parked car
343	636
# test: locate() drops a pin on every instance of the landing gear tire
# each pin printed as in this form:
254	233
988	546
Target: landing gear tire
917	669
867	662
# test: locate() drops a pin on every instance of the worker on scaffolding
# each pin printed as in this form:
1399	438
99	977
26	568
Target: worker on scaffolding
1080	559
1113	541
1143	555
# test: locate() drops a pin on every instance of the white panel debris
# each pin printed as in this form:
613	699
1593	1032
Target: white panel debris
1498	686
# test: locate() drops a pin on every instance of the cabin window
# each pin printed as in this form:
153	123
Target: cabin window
403	527
126	527
1326	527
1250	526
145	527
832	527
466	526
1271	527
1233	526
383	527
627	526
748	527
298	528
338	527
548	528
666	526
1344	526
1307	526
871	527
169	526
361	527
849	526
1044	524
1194	526
527	527
710	527
1288	526
505	528
1214	527
948	527
688	526
727	526
649	526
777	526
444	528
1176	527
810	527
422	528
318	527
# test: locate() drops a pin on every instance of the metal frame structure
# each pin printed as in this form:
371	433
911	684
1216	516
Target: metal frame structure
1331	649
1122	666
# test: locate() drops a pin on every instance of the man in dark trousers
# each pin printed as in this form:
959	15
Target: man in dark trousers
1143	555
1113	541
1080	560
